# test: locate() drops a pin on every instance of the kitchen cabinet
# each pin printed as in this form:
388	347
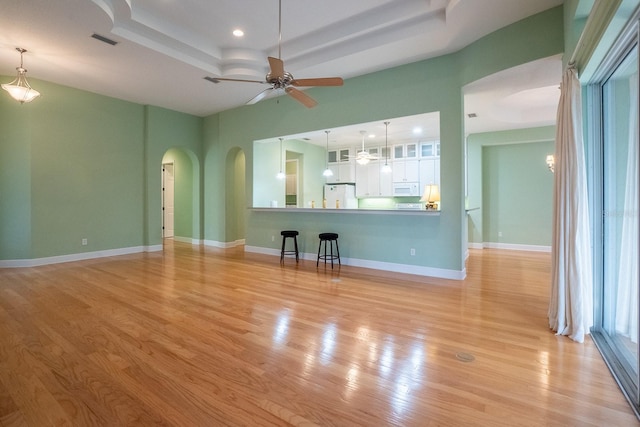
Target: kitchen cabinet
342	172
429	172
406	170
368	179
342	166
430	149
386	183
371	181
405	151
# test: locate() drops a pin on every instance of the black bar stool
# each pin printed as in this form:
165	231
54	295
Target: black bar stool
331	238
292	234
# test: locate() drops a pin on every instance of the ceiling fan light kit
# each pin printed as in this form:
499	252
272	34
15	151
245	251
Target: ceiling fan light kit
282	81
363	157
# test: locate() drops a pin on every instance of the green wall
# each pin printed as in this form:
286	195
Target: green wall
426	86
518	194
510	188
86	180
85	166
105	183
163	130
15	180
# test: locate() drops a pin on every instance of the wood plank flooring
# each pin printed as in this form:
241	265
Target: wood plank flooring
208	337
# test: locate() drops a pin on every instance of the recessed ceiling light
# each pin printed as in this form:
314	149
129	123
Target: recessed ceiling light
417	130
372	135
238	33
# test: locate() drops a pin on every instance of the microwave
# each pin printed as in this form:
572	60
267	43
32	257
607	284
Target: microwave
406	189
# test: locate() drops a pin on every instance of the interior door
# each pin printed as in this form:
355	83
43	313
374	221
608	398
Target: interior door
168	193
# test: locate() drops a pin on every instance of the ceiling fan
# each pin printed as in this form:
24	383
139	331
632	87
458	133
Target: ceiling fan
363	156
280	80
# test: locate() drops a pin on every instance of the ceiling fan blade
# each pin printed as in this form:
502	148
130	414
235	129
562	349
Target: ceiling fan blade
325	81
260	96
277	67
222	79
301	97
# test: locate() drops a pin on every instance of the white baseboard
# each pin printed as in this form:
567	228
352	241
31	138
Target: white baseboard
224	245
35	262
473	245
188	240
516	247
376	265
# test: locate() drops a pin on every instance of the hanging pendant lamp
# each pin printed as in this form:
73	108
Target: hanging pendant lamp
327	172
19	89
386	168
280	175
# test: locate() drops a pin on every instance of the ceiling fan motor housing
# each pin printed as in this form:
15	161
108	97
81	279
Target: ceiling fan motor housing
279	82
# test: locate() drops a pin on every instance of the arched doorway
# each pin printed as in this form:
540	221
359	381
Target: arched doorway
181	219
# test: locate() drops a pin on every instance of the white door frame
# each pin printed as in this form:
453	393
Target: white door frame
168	199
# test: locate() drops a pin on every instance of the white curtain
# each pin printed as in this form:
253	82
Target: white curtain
571	302
627	295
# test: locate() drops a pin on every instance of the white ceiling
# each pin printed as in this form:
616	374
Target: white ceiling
166	47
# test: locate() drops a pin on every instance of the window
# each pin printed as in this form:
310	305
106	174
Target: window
615	210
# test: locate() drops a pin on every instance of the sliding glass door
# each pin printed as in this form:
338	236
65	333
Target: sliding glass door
616	329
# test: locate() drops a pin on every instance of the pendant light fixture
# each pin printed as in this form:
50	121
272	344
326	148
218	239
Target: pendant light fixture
19	89
386	168
280	174
327	172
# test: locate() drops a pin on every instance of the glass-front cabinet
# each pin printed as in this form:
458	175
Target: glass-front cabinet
430	149
341	164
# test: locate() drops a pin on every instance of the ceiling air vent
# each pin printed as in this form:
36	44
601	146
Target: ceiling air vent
212	79
472	115
104	39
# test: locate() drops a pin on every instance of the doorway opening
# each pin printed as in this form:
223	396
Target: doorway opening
292	188
168	200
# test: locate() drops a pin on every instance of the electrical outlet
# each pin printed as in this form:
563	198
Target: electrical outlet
499	233
84	242
413	251
273	238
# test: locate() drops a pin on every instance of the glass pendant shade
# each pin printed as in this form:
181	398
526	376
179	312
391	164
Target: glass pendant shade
19	89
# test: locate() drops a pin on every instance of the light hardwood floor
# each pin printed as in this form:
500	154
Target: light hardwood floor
207	337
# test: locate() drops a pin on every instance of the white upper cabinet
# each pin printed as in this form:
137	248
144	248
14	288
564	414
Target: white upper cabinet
430	149
342	166
405	151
